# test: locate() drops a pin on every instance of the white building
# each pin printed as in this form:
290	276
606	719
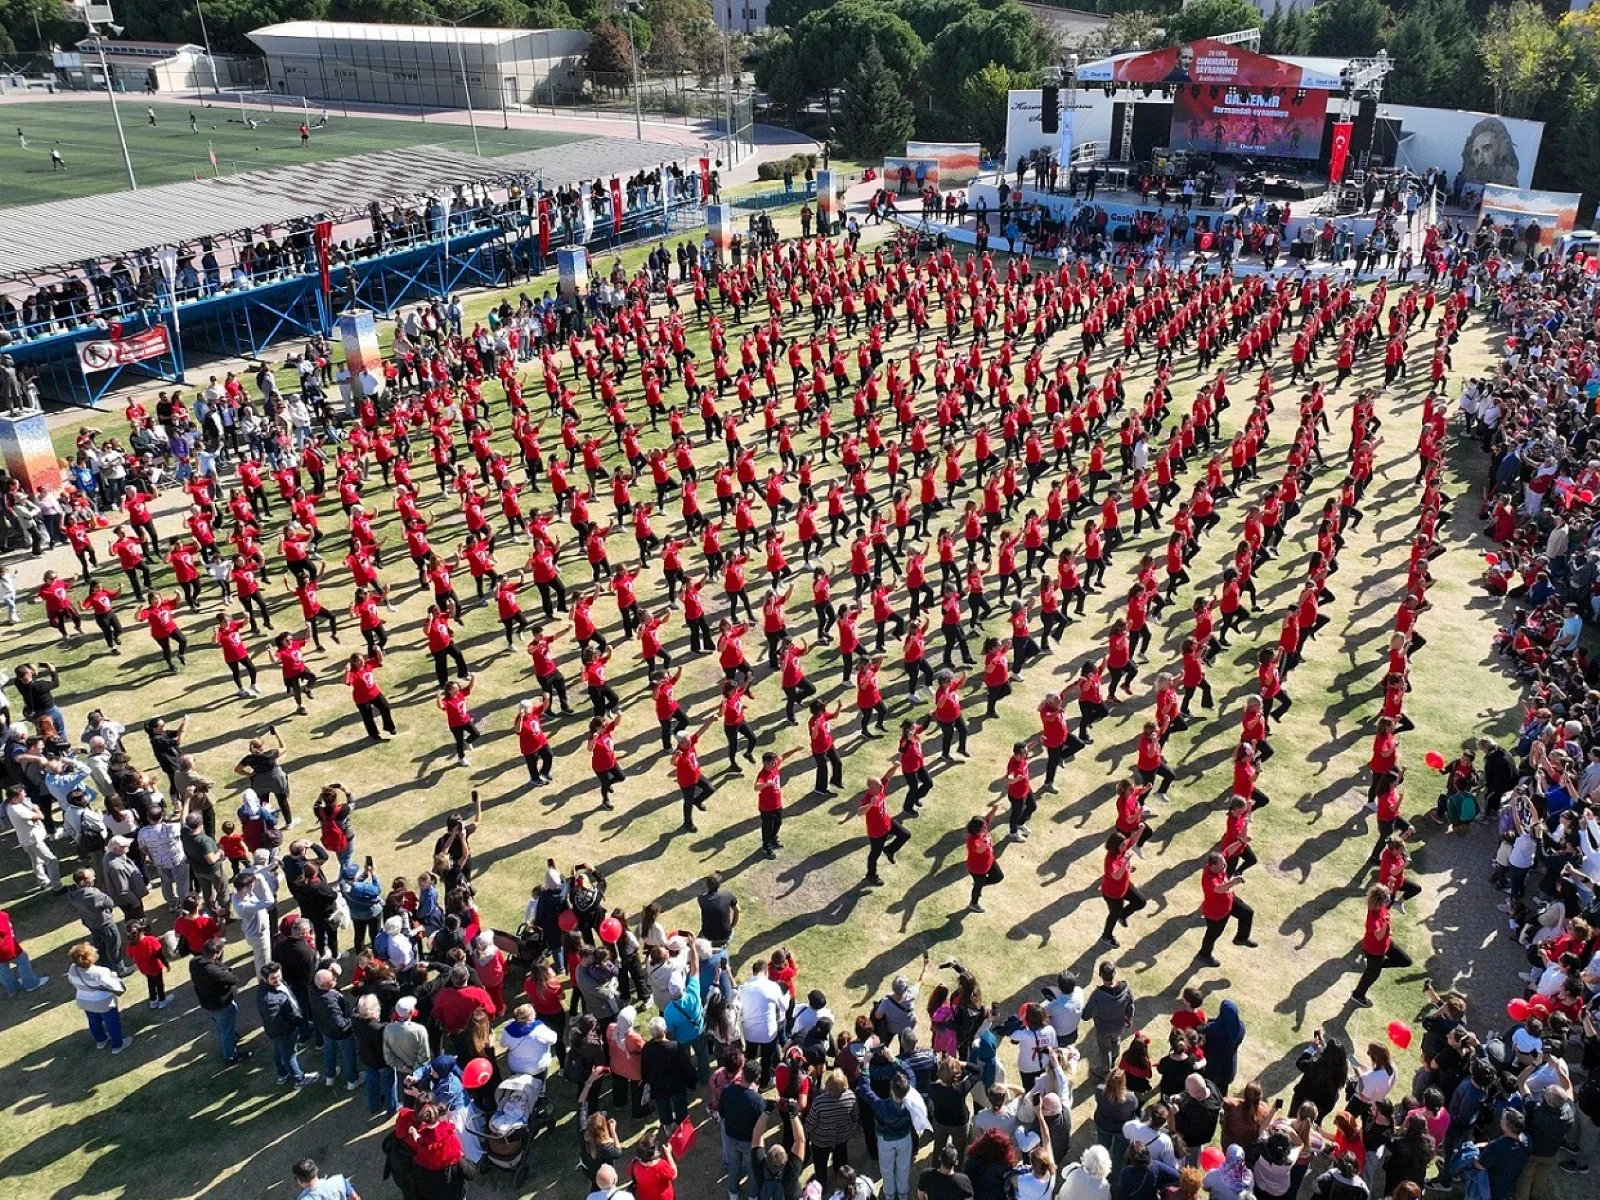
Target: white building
740	16
420	65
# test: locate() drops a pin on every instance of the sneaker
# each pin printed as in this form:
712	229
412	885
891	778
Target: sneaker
1573	1167
102	1045
1110	941
976	908
308	1078
1360	1001
1208	960
1247	943
872	881
43	979
328	1082
123	1045
281	1079
352	1085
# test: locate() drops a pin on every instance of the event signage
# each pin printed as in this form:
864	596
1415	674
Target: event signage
616	205
322	234
119	350
1210	63
1236	120
1557	211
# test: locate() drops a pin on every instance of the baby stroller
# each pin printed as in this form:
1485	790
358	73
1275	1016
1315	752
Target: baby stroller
520	1109
522	949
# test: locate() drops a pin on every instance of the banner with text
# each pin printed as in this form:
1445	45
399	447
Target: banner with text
1238	121
1549	210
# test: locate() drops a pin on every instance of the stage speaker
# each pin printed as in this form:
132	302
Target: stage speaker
1050	109
1361	136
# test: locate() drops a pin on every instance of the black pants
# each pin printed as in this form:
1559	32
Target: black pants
1393	957
1244	917
465	736
951	732
374	710
695	796
1119	909
771	826
539	764
554	686
441	661
888	845
979	882
830	771
733	733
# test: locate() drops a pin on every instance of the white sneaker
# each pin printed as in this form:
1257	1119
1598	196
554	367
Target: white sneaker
127	1040
43	979
352	1085
308	1078
327	1081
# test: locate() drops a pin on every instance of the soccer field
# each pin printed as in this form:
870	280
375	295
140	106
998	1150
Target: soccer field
169	151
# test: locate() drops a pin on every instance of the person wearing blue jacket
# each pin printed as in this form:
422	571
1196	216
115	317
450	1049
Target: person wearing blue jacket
363	892
897	1139
686	1015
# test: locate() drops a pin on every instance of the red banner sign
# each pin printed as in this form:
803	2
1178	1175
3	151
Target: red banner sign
323	236
616	206
119	351
544	227
1340	153
705	179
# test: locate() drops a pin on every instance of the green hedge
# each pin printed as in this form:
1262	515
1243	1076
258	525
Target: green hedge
797	163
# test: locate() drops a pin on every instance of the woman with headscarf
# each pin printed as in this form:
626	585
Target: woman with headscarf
624	1044
1232	1179
1223	1035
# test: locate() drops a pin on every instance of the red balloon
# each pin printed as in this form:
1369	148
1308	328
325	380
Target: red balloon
476	1073
1491	558
1400	1034
1518	1010
1540	1005
1434	759
1586	496
568	920
1211	1158
610	931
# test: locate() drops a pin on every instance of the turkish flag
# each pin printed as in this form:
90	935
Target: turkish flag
1340	153
544	227
616	206
705	179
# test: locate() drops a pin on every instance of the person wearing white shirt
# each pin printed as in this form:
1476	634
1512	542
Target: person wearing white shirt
1088	1178
1064	1009
103	727
1152	1132
762	1005
28	823
252	901
1035	1040
527	1042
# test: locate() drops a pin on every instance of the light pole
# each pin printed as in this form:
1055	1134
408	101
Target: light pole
461	59
727	71
111	94
205	37
628	7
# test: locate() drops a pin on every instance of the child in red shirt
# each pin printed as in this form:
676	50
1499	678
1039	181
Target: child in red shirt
150	956
233	848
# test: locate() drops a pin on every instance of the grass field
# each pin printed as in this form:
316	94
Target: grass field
169	152
166	1120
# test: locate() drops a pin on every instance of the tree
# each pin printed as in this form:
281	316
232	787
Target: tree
1123	32
1207	18
550	14
1005	35
787	14
610	56
985	100
1345	28
928	17
786	82
835	40
875	118
1523	57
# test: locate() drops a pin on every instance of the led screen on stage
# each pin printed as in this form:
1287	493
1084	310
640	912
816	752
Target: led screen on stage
1239	121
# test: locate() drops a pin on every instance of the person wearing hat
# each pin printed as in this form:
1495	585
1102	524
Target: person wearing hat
897	1011
684	1011
124	880
405	1041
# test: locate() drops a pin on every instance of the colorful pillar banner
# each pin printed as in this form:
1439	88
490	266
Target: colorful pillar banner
358	332
572	266
1339	153
827	201
719	221
29	456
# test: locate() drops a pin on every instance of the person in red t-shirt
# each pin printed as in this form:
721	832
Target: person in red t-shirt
886	836
1116	886
361	676
150	956
1218	904
981	864
819	729
1377	944
463	729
